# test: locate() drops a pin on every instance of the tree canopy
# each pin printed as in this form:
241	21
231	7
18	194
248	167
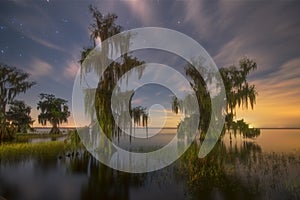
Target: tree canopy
103	27
53	110
19	115
12	83
239	93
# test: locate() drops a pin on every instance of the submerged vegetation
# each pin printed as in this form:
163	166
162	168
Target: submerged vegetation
241	172
49	150
229	171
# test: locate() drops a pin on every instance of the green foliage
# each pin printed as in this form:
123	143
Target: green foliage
21	137
7	131
239	93
53	110
74	140
204	102
103	27
140	116
12	83
238	173
19	151
238	90
19	115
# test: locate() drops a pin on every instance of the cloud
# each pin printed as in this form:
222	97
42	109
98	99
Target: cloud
138	101
232	51
195	14
278	98
259	30
283	81
39	68
143	10
289	70
71	69
44	42
35	19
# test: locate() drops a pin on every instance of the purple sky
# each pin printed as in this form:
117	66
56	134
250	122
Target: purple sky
45	38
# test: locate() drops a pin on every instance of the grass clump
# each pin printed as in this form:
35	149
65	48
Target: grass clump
19	151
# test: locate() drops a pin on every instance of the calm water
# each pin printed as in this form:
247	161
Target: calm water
265	168
274	140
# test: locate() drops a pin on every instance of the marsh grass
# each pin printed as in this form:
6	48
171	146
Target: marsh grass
273	173
248	171
20	151
24	136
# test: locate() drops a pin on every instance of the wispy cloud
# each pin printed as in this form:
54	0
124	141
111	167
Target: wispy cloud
196	14
71	69
278	95
143	10
39	68
40	21
45	43
232	30
138	101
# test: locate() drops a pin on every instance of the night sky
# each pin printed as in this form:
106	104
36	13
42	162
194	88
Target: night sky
45	38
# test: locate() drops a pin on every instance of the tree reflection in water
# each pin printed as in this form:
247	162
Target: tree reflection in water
228	172
239	171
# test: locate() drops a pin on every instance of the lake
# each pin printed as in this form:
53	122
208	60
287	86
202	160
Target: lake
267	167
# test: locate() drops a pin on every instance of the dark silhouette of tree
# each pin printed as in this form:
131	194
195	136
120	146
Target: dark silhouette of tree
103	27
12	83
199	86
238	90
140	117
53	110
175	103
19	115
239	93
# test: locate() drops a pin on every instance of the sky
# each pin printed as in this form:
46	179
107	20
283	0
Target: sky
45	38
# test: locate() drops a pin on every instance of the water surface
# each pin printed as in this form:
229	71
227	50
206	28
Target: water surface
267	167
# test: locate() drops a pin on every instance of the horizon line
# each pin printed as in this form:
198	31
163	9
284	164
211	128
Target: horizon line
74	127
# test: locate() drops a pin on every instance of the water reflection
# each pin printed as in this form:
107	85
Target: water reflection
39	139
241	172
231	171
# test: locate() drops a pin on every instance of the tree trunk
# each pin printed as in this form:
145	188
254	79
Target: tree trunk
2	121
55	129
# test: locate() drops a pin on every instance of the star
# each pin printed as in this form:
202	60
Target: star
56	32
2	51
